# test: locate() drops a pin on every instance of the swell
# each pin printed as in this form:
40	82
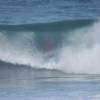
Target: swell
52	26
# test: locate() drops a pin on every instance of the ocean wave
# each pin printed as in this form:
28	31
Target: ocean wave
78	52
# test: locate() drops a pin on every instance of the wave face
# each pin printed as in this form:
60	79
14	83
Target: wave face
70	46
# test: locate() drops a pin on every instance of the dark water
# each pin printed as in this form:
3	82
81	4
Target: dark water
49	50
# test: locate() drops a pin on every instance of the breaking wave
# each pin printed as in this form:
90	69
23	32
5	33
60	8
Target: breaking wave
70	46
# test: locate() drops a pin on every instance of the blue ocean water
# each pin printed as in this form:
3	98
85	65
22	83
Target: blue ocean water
40	11
49	50
26	83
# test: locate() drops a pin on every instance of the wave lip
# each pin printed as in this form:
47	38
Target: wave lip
51	26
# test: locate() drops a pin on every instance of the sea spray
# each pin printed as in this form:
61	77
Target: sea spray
82	54
75	46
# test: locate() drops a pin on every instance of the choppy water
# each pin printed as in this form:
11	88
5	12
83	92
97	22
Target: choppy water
49	49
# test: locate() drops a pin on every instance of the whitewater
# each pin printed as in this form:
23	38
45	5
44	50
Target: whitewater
75	51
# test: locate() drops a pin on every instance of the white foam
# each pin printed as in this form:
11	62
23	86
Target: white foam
19	50
83	54
80	52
